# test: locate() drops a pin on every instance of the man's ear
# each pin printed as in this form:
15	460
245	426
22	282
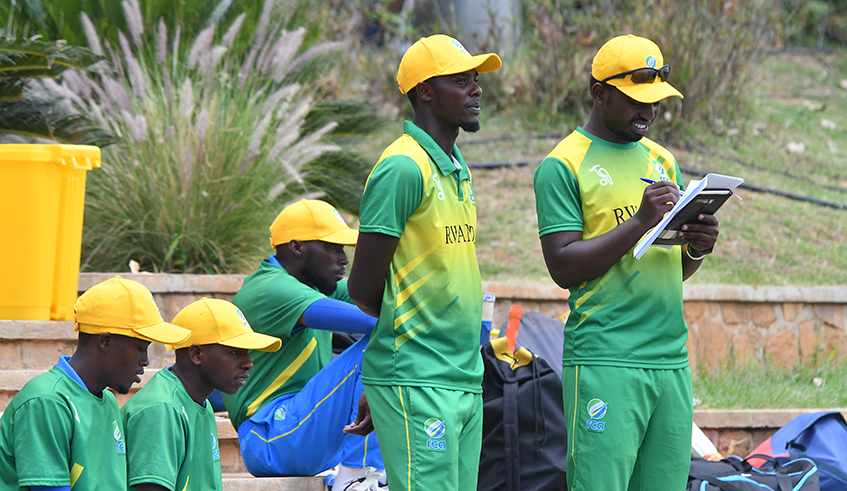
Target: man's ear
104	341
195	354
424	91
296	247
599	94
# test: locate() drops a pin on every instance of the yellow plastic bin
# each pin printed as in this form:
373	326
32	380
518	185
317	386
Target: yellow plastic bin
42	197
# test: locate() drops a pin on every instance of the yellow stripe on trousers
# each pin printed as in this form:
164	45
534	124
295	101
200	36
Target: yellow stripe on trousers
283	377
310	412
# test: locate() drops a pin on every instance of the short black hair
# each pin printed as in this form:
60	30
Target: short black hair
412	94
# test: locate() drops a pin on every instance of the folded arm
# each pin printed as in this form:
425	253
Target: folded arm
328	314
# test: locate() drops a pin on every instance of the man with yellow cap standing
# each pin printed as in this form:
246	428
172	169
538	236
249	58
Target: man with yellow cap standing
627	383
185	453
416	269
292	413
63	430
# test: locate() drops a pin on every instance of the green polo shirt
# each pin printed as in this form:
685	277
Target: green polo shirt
631	315
428	330
171	440
56	433
273	301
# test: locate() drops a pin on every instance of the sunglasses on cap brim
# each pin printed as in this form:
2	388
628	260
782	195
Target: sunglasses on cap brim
644	75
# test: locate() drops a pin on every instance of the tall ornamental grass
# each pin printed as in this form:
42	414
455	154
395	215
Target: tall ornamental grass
211	145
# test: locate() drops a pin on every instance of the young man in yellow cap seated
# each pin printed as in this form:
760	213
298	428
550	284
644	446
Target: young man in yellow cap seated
172	439
292	413
63	430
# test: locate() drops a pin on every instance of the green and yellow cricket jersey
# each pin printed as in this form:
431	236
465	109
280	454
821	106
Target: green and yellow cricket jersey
429	324
630	316
171	440
56	433
273	301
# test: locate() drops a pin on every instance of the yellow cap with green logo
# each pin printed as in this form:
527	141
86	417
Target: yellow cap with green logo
635	66
216	321
438	55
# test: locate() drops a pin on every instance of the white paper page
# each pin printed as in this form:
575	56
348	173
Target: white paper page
711	181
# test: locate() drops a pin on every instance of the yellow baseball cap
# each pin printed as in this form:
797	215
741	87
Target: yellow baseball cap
440	55
311	219
215	321
629	53
124	307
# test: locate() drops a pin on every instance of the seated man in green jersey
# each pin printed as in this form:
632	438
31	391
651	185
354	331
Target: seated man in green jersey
63	430
627	384
416	269
184	453
291	416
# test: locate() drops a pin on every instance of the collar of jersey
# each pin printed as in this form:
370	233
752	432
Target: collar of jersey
442	160
607	143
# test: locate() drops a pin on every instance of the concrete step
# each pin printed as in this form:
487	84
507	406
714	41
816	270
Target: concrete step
37	345
247	482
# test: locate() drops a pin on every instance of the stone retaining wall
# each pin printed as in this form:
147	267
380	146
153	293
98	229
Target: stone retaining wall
728	325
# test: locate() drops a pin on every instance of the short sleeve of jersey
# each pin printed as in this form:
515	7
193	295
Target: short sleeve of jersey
557	199
155	445
43	429
393	192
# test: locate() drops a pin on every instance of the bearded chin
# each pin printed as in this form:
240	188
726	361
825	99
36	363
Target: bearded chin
470	127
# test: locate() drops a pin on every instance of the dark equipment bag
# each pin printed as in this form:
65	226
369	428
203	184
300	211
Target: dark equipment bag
524	436
736	474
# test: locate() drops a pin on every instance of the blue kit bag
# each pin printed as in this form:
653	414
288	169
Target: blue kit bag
820	437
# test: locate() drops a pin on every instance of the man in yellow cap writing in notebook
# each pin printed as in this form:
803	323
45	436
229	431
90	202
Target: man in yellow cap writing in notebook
63	430
627	384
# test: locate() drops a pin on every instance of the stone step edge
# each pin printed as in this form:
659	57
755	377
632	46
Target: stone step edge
247	482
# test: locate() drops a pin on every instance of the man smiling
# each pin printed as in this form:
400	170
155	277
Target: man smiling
626	379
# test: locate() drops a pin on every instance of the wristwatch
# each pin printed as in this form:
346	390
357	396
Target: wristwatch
699	254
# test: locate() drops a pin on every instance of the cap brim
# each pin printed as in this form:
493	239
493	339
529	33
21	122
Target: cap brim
347	236
254	340
481	63
163	333
647	93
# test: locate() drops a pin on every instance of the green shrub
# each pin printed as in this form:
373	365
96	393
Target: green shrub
211	146
712	45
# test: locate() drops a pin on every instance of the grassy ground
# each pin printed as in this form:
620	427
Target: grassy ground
775	389
766	239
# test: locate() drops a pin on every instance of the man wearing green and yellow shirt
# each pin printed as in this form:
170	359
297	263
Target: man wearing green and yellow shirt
416	269
627	384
